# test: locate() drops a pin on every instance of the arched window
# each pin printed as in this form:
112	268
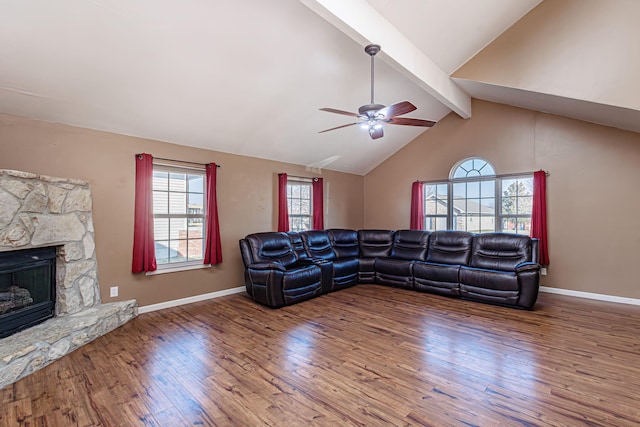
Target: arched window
470	168
474	196
477	200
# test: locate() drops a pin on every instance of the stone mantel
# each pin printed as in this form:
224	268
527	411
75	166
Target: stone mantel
36	211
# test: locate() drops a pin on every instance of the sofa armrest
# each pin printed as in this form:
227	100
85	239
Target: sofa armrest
527	266
267	266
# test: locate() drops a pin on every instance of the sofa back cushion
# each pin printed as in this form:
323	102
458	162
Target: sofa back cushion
344	242
410	245
500	251
450	247
317	244
375	243
297	244
271	247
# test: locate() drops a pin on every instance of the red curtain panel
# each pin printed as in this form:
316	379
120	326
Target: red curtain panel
213	247
283	209
318	203
539	214
417	207
144	253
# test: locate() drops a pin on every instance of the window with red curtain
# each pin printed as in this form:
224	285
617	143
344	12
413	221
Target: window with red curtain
539	215
144	256
283	209
417	206
318	203
213	248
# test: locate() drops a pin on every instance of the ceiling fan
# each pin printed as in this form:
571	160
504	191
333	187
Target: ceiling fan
373	115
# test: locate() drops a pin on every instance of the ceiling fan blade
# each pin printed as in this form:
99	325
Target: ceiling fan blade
376	132
339	127
396	109
344	113
411	122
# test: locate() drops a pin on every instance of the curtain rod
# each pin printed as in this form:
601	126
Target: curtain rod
483	178
179	161
314	178
183	161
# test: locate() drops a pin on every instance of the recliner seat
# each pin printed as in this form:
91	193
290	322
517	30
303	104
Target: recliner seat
408	247
447	252
275	275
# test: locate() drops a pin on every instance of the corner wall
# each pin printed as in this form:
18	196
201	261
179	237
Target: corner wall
247	189
592	192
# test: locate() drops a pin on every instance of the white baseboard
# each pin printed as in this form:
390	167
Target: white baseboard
589	295
189	300
240	289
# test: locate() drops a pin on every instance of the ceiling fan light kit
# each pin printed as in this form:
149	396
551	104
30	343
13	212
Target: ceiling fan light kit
373	115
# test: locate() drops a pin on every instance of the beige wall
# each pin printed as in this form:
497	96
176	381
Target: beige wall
593	203
247	189
582	49
594	229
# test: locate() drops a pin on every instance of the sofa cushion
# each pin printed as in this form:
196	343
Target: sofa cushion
271	247
301	284
500	251
344	242
366	270
394	272
375	243
345	272
494	286
395	267
410	245
436	278
450	247
317	244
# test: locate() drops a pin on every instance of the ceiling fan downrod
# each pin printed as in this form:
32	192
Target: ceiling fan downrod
370	109
372	50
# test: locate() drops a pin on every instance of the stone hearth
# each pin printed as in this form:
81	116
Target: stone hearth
37	211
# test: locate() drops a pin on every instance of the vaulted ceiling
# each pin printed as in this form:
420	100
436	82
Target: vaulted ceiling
248	76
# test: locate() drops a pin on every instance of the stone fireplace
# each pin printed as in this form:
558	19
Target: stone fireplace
38	211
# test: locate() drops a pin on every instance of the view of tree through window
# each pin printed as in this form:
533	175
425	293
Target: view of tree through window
179	215
475	199
299	203
517	201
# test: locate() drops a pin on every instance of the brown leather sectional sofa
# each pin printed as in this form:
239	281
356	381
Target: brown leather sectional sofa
286	268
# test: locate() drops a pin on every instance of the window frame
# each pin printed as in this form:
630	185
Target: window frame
169	267
300	182
516	216
498	180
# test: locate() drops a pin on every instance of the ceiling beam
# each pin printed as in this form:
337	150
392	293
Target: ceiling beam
361	22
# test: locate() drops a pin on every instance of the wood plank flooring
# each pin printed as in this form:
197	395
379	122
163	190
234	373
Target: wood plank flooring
365	356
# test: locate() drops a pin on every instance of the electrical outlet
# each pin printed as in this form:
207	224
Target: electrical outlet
113	292
543	271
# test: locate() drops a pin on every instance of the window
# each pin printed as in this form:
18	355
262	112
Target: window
179	215
299	204
517	201
477	200
436	204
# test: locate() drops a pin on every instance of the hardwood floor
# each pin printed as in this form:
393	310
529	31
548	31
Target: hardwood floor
365	356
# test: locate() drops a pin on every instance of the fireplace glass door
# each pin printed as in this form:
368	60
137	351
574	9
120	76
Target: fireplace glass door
27	288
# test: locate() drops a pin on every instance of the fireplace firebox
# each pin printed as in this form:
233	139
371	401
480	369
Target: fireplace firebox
27	288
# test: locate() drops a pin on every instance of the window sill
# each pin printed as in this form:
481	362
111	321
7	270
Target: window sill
177	268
